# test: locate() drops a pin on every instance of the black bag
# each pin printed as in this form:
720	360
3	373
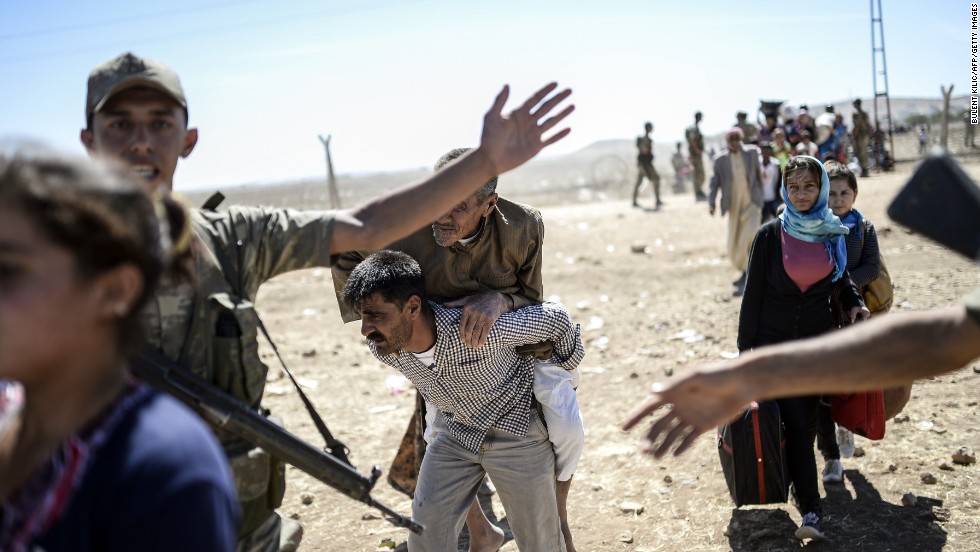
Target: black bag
753	456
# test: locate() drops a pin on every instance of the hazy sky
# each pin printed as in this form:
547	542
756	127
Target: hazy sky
398	83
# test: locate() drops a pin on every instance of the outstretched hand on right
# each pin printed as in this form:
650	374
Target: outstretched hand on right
512	139
692	405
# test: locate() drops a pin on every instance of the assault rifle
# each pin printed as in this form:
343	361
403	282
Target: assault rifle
224	411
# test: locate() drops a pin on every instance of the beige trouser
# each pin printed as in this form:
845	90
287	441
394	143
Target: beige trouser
743	223
861	145
521	468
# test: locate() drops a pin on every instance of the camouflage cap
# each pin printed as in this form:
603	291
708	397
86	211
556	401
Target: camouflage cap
128	71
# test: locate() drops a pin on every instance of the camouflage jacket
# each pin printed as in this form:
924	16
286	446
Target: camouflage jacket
211	328
695	143
862	126
236	251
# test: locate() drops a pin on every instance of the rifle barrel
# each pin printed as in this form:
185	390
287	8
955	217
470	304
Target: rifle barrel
226	412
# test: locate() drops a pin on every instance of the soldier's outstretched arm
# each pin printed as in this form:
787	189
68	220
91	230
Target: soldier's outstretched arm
508	140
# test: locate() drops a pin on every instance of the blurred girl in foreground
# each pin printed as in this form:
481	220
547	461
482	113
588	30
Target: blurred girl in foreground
796	262
91	458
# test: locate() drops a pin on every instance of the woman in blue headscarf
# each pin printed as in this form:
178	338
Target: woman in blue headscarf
795	264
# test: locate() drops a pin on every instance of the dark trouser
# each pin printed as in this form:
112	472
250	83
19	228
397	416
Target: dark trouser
697	161
827	432
769	210
799	416
647	170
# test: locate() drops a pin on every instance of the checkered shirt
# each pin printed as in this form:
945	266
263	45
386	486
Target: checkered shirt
489	387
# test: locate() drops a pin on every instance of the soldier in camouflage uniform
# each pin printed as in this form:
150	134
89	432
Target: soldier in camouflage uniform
750	131
136	114
695	150
644	163
862	136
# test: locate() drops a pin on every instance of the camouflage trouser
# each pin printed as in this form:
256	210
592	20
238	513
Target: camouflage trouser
275	534
260	481
647	170
697	161
264	538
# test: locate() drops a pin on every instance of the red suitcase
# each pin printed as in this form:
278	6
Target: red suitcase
863	413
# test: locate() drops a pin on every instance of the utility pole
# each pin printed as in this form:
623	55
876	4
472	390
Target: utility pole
878	50
944	135
331	181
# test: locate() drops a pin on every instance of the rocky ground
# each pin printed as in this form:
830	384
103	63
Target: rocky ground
652	292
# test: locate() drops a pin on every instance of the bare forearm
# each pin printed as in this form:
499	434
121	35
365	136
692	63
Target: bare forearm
888	351
507	141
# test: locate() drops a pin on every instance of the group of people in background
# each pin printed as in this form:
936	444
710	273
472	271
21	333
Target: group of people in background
797	132
747	173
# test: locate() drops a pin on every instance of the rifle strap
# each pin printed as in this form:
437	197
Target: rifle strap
333	446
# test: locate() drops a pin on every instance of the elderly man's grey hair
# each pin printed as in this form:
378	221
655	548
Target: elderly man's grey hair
486	190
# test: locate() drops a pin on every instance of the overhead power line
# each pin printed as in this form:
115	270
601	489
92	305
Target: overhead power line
263	21
96	24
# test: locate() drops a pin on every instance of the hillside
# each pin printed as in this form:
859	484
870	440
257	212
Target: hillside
601	171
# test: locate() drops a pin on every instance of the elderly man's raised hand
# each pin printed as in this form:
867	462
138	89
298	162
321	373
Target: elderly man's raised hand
512	139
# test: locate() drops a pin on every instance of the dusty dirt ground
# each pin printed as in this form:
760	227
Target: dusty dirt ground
635	309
